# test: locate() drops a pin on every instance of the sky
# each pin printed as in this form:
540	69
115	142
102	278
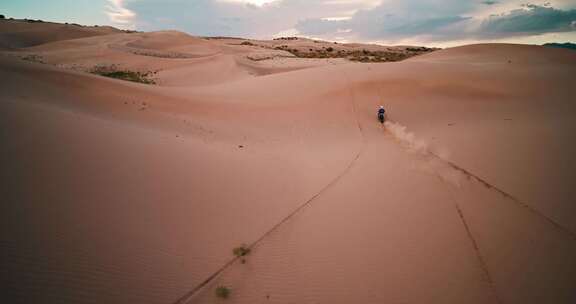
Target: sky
399	22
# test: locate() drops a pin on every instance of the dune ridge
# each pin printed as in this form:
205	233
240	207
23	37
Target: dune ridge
120	192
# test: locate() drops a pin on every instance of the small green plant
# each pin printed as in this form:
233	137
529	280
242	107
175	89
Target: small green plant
241	252
223	292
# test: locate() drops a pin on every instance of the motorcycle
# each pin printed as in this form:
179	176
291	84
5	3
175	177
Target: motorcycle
381	117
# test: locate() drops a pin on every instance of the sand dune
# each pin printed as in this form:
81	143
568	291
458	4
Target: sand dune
119	192
27	33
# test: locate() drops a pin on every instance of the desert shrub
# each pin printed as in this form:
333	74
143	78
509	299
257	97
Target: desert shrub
330	49
241	250
419	49
114	71
223	292
2	17
33	58
286	38
246	43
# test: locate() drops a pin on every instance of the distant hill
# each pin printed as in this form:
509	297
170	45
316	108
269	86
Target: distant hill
18	34
567	45
318	49
22	33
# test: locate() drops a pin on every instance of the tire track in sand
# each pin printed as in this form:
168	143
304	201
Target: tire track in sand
192	292
419	147
509	196
409	140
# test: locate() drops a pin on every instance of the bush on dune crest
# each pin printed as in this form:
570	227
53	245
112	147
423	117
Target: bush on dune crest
113	71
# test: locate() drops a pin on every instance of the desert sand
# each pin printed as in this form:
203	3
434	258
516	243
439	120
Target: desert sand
120	192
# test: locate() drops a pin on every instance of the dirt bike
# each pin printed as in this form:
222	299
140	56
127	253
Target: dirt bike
381	117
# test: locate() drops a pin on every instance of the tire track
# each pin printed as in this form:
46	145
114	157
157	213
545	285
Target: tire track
409	142
422	149
507	195
191	293
471	176
479	256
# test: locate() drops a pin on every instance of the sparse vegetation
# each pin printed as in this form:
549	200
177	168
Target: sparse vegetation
222	37
241	252
223	292
113	71
420	49
33	58
154	53
247	43
355	54
286	38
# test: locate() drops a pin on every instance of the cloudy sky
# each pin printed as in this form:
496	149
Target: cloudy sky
424	22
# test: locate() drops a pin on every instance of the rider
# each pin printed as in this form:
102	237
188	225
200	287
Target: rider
381	112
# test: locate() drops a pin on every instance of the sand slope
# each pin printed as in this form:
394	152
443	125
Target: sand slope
176	58
388	230
20	33
118	192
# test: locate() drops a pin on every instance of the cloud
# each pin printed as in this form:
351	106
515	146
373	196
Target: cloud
395	20
388	21
238	18
430	21
119	14
251	2
532	19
